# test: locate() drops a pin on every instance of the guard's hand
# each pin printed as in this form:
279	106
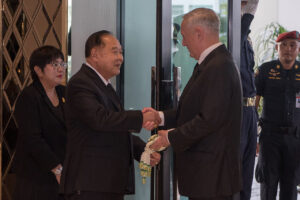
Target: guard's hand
250	7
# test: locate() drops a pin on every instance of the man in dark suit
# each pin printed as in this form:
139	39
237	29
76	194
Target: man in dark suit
100	148
207	121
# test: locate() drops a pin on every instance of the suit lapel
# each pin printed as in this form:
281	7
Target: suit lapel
197	70
110	96
190	82
114	97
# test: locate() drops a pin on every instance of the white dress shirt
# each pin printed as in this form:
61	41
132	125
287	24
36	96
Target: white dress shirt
102	78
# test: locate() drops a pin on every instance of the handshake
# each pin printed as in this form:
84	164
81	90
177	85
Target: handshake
151	120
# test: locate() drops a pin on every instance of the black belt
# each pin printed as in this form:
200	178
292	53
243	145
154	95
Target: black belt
285	130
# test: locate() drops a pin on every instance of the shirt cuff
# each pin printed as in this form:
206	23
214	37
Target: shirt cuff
162	117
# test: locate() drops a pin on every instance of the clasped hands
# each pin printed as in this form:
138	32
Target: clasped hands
151	120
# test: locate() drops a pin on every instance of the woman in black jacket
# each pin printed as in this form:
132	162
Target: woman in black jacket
42	132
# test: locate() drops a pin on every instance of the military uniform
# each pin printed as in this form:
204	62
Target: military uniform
249	123
279	140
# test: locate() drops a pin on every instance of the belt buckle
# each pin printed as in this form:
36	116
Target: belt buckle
250	101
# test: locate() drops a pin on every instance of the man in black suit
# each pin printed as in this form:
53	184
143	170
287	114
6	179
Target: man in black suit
207	121
100	148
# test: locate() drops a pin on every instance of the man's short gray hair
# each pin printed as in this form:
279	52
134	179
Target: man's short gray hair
204	17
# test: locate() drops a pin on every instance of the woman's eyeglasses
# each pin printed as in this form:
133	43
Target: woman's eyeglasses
63	65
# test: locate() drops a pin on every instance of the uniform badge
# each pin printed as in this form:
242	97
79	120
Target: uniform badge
63	100
296	67
274	73
278	66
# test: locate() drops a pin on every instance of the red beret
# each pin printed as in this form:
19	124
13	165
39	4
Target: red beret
288	35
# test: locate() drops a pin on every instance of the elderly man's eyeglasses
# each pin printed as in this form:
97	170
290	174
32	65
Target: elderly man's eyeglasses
63	65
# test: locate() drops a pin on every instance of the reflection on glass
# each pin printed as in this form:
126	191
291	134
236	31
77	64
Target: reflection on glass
69	40
180	55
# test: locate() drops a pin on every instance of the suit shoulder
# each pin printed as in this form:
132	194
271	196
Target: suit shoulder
28	92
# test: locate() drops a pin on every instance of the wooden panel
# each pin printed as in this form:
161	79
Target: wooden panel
26	25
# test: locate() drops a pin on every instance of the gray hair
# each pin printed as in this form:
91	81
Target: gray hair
204	17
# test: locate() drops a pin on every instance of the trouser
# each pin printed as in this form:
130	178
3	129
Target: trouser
84	195
248	149
280	151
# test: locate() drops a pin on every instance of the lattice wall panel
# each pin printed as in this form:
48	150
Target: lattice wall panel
26	25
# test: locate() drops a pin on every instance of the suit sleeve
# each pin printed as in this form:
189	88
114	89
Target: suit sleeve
89	107
138	147
214	108
31	134
170	118
245	25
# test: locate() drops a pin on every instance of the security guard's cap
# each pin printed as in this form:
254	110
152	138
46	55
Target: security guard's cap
288	35
244	0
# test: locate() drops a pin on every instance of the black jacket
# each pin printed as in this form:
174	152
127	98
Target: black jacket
100	148
41	143
207	135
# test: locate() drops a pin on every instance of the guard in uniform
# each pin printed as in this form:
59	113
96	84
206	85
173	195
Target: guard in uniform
249	123
278	82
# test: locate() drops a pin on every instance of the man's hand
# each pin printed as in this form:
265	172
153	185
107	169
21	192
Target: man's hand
154	158
57	172
161	141
250	7
151	118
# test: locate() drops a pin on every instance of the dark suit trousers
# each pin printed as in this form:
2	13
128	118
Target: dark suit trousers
248	149
94	196
216	198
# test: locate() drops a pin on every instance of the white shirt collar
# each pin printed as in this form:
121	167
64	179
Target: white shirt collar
102	78
207	51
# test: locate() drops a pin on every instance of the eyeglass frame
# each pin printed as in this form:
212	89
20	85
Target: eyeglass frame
55	65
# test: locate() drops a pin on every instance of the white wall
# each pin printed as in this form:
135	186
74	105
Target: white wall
285	12
89	16
289	15
267	12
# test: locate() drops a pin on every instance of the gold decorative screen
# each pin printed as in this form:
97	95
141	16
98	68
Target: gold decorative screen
26	25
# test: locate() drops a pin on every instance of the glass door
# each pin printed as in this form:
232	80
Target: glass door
180	55
150	34
139	42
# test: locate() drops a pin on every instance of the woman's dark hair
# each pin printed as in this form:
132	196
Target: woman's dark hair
42	56
95	40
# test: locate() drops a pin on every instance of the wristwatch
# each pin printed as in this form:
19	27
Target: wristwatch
58	170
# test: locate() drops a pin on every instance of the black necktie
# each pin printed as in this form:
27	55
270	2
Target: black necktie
114	95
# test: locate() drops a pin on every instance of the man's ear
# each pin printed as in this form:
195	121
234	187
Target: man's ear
94	53
276	47
38	71
199	32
